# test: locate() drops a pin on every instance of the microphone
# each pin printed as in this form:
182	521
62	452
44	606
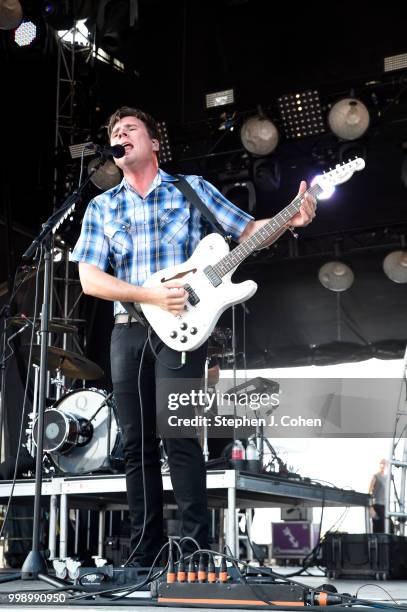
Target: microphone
115	151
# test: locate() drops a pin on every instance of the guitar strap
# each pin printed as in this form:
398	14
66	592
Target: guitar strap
192	197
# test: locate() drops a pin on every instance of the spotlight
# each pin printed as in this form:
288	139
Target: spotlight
395	266
259	135
80	150
11	14
349	119
395	62
336	276
105	177
301	114
220	98
26	33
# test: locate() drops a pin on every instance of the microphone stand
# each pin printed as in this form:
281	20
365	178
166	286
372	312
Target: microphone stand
35	566
4	314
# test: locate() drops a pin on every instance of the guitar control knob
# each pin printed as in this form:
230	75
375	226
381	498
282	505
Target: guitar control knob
183	326
183	338
193	330
173	334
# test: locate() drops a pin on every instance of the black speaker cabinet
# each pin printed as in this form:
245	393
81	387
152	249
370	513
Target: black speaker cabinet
379	555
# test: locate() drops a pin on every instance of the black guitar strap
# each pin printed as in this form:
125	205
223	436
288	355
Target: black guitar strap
192	197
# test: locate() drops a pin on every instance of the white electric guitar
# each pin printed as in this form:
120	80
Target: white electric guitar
206	275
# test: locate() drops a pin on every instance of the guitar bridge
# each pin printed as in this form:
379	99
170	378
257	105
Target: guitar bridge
193	298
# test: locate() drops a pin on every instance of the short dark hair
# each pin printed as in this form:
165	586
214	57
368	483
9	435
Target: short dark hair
128	111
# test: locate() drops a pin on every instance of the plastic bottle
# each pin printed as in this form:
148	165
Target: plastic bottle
252	457
238	455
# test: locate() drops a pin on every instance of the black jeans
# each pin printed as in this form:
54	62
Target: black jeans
379	523
185	458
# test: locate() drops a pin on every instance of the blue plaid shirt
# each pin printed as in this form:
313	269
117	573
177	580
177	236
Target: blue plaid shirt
139	236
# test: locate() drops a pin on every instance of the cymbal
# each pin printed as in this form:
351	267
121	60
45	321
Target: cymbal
71	364
55	327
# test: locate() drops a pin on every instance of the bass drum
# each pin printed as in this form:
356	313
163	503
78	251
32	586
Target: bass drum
75	449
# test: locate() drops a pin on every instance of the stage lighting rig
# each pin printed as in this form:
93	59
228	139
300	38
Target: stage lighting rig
336	276
26	33
349	118
301	114
165	148
220	98
259	135
395	62
11	14
395	266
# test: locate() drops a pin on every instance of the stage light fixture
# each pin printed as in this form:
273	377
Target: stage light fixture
220	98
26	33
165	148
336	276
11	14
395	62
349	119
259	135
80	150
301	114
105	177
395	266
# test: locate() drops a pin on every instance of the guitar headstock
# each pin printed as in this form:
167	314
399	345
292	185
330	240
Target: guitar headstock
340	174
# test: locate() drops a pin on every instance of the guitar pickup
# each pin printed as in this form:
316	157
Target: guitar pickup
193	298
213	276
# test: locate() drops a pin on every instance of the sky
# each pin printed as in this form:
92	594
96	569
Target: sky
347	463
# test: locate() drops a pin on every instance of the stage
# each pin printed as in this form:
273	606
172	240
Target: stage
227	489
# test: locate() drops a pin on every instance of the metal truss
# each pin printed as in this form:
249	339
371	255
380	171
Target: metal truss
396	508
374	238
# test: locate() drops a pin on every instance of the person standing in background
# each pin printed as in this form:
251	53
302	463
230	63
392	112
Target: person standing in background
377	489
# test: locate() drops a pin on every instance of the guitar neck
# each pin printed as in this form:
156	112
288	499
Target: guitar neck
246	248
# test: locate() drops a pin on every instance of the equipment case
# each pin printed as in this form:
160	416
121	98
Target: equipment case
378	555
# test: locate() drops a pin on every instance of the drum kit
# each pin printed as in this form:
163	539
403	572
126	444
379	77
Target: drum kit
81	430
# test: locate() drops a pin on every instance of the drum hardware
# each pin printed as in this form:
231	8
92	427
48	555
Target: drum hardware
88	423
63	431
69	363
81	433
59	382
54	327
